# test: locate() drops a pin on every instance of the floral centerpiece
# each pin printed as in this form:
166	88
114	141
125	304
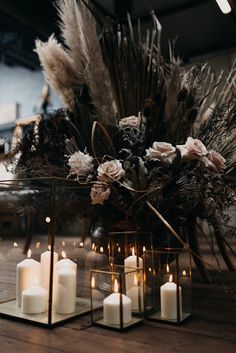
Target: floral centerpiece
155	141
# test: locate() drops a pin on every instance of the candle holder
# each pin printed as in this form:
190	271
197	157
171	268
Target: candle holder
48	284
118	291
168	285
122	244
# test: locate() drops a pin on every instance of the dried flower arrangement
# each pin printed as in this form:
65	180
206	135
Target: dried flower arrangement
152	138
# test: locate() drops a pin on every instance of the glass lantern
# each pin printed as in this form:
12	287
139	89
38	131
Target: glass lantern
122	244
118	293
168	285
43	254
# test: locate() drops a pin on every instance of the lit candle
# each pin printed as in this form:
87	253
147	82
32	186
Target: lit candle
65	290
135	293
169	300
67	263
34	300
27	274
131	262
111	307
96	259
45	260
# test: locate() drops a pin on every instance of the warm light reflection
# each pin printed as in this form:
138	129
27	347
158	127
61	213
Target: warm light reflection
149	269
184	273
47	219
93	247
93	282
63	243
108	247
116	287
171	278
133	252
167	269
29	253
81	244
101	250
37	245
15	245
135	280
63	254
119	249
144	248
49	247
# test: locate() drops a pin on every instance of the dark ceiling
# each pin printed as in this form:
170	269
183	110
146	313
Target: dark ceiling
199	25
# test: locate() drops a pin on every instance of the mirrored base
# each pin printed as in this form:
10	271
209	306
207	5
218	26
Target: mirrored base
135	321
157	317
11	310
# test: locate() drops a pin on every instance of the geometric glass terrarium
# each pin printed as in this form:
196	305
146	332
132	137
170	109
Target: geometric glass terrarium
118	292
122	244
168	285
48	283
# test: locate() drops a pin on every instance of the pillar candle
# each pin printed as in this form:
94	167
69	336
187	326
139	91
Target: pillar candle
67	263
135	293
16	253
45	260
130	262
79	255
169	300
34	300
65	293
111	307
27	274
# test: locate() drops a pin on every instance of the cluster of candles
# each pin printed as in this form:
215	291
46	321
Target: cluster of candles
33	281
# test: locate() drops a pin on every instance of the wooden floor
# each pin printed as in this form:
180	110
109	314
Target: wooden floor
211	329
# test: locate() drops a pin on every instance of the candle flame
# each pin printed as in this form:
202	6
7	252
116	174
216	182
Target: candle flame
63	243
47	219
167	269
119	249
184	273
15	245
29	254
108	247
144	248
149	269
49	247
93	282
133	253
81	244
111	264
116	287
93	246
101	250
63	254
37	245
171	278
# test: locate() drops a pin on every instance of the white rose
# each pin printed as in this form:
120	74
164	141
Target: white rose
193	149
99	193
80	164
110	171
161	151
130	121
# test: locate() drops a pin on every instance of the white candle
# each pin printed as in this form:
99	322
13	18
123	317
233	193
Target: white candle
65	293
169	300
45	260
111	307
131	262
135	293
27	274
34	300
67	263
